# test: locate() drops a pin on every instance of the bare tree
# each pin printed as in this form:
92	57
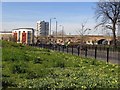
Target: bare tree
108	12
83	30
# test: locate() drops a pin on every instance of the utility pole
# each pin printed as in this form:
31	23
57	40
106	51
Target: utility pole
56	31
50	27
62	31
50	24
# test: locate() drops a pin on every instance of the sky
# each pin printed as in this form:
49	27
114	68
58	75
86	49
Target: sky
49	0
69	14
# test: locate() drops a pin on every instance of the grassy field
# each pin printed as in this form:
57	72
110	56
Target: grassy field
30	67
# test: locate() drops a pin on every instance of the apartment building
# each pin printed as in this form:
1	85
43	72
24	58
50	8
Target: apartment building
42	28
23	35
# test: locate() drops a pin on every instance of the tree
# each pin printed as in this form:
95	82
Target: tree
108	13
83	30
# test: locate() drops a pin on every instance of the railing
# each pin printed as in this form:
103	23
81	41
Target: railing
106	53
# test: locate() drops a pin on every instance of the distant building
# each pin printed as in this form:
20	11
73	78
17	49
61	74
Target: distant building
23	35
42	28
6	35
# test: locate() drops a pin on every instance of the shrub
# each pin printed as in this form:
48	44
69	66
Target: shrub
7	82
60	64
38	60
19	67
32	75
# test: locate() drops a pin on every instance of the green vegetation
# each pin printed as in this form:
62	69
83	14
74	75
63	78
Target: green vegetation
30	67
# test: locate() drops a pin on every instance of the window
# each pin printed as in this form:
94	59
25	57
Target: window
19	36
29	37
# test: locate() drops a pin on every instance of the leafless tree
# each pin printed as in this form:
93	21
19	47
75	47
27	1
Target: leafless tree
107	12
83	31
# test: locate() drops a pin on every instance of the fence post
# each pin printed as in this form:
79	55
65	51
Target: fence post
95	52
53	47
67	49
86	51
63	48
48	46
59	48
45	46
107	54
78	50
38	45
72	49
41	45
56	47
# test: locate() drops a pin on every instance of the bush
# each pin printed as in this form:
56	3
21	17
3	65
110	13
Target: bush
60	64
32	75
19	68
38	60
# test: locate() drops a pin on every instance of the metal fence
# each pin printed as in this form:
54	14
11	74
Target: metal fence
108	54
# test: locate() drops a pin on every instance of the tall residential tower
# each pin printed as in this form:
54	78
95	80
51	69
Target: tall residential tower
42	28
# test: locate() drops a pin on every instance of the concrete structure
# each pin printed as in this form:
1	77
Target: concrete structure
89	39
23	35
42	28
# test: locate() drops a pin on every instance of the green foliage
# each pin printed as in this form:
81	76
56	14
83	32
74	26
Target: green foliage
19	68
30	67
38	60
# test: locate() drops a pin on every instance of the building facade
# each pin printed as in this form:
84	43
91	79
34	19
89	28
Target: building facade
23	35
42	28
6	35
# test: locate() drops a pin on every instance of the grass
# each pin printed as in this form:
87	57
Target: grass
30	67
